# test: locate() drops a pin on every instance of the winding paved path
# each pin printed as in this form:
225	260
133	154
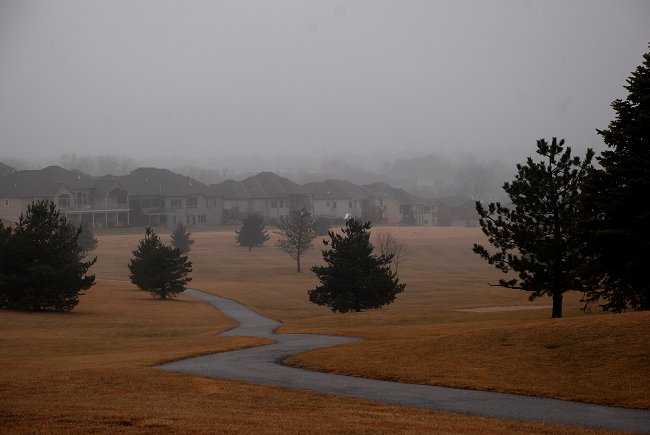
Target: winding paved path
263	365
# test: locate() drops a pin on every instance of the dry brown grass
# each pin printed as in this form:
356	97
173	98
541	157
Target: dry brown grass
91	369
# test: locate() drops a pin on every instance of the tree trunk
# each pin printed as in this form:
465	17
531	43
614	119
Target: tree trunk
557	305
298	263
249	248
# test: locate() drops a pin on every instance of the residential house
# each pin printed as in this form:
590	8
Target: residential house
426	211
393	206
78	196
236	202
457	211
160	197
271	196
338	199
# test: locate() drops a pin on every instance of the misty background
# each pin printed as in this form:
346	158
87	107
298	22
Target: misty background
437	97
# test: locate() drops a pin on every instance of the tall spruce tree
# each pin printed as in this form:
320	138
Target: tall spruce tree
354	279
616	205
252	232
159	269
297	234
42	265
181	238
537	238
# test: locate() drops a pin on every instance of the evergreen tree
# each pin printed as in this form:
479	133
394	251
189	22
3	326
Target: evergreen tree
159	269
538	238
616	206
354	279
86	239
297	234
181	238
5	257
42	267
252	232
321	226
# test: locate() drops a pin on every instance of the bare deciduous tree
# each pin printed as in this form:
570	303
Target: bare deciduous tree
296	234
387	244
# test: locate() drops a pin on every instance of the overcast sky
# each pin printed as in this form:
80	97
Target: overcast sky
241	77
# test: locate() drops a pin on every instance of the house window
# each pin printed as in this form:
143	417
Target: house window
151	202
327	204
334	204
350	204
192	202
6	202
176	203
274	203
64	201
82	199
201	218
282	203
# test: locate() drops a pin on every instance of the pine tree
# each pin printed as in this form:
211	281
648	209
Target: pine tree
181	238
616	206
159	269
538	238
321	226
354	279
42	267
297	234
252	232
86	239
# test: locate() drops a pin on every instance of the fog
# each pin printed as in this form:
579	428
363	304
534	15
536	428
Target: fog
274	85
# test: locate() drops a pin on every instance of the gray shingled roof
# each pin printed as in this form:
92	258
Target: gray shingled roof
43	182
383	190
104	185
229	189
335	189
270	185
163	182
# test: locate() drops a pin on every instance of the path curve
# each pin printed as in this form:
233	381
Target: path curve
264	365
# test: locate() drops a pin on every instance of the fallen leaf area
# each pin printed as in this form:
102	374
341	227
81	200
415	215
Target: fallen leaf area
93	369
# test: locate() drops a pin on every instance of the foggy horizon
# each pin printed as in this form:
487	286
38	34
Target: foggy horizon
369	81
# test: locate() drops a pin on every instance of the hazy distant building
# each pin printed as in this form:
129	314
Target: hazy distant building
160	197
78	196
267	194
336	199
457	211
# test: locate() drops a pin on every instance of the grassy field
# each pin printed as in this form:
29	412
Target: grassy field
91	370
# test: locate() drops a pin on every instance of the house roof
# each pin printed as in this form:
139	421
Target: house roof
5	169
160	182
229	189
383	190
104	185
335	189
270	185
43	182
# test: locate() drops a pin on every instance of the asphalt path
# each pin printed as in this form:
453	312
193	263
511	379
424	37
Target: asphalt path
264	365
